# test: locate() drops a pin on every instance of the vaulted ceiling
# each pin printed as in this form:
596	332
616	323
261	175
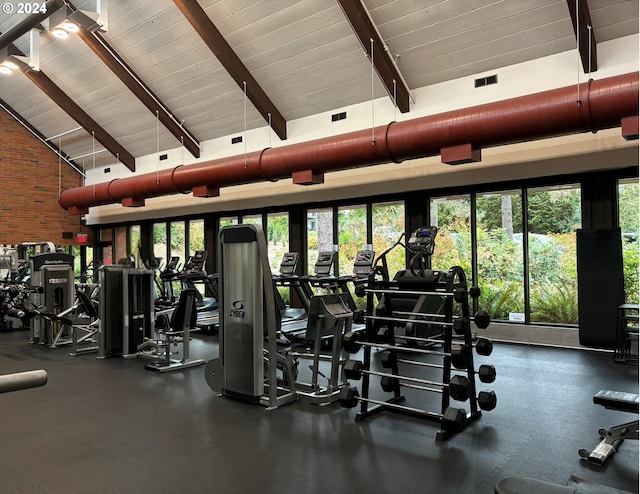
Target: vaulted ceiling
168	73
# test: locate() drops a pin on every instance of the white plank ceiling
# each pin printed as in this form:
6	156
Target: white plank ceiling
303	53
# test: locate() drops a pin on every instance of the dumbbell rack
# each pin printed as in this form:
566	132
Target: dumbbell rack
380	330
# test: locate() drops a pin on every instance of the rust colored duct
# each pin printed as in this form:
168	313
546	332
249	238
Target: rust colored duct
602	104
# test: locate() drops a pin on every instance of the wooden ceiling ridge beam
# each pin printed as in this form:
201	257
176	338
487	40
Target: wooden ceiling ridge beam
585	36
203	25
127	75
365	29
61	98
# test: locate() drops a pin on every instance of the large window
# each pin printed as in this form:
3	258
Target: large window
500	255
277	238
196	235
388	226
352	236
319	234
160	241
177	240
135	244
553	215
227	221
452	216
255	219
628	212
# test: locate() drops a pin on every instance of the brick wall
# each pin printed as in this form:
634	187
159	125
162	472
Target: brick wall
29	182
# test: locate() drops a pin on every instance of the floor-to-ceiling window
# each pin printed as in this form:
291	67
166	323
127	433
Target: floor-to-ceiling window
553	215
277	238
452	216
319	234
135	244
352	236
177	240
196	235
388	223
500	258
628	214
160	242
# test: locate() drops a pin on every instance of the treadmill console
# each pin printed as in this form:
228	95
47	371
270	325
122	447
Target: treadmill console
195	264
324	263
362	264
289	263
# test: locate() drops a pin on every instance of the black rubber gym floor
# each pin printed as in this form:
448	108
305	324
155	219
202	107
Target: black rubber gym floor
110	426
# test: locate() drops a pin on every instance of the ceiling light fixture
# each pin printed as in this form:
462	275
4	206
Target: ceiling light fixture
12	59
65	20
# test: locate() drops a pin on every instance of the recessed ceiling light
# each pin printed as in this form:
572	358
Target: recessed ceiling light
60	33
10	64
5	70
71	27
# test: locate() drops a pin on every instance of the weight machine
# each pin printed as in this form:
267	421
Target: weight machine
52	273
250	347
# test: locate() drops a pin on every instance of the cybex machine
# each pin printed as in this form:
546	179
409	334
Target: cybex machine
256	362
248	362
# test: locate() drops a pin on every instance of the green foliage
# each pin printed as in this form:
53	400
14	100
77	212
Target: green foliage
631	264
554	211
278	229
629	204
498	299
555	302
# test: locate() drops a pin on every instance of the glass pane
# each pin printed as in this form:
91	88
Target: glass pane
252	220
196	235
160	241
500	255
319	234
628	207
388	225
176	235
135	244
277	238
352	236
553	215
120	243
452	216
231	220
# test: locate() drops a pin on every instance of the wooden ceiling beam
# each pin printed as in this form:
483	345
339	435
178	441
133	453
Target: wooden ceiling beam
119	67
233	65
61	98
581	22
365	30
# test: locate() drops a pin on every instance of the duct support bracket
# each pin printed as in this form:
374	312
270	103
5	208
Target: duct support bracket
78	210
460	155
132	202
307	177
206	191
630	128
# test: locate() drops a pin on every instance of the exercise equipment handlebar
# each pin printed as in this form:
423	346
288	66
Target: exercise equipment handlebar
22	380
